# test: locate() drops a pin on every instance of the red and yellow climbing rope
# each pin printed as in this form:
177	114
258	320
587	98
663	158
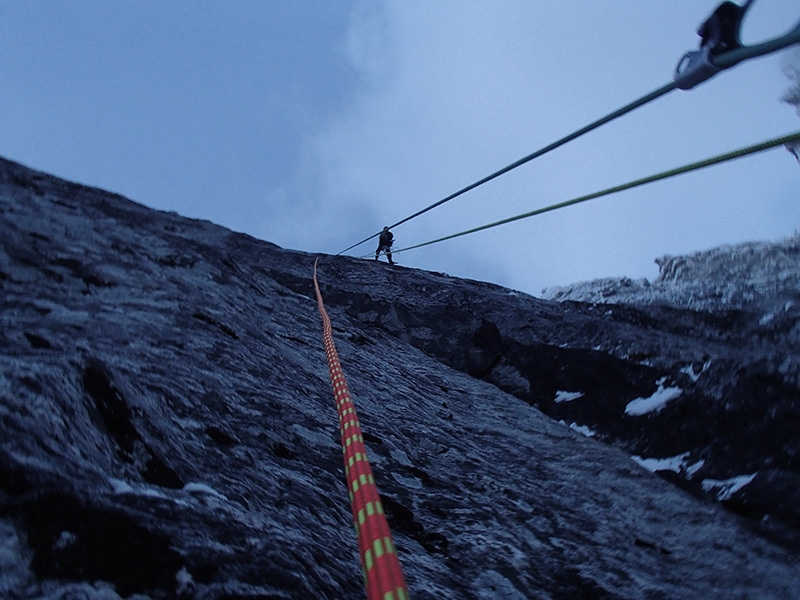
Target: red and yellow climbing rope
383	575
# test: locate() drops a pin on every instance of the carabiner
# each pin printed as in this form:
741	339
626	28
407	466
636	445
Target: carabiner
718	34
695	67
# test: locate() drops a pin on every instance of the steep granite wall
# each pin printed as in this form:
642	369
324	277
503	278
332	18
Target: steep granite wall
167	428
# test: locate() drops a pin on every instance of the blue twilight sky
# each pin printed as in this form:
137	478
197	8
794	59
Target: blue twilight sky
313	123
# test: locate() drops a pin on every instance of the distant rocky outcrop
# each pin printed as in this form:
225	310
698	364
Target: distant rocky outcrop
167	428
756	275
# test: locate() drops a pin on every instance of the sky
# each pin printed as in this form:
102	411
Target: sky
313	123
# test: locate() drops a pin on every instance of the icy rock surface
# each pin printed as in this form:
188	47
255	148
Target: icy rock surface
168	429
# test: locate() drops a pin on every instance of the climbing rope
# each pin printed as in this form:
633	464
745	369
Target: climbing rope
693	68
785	140
576	134
383	575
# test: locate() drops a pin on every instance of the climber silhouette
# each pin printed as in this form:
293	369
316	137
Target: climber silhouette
385	243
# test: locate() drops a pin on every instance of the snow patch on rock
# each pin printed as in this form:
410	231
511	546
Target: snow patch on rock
583	430
677	464
562	396
726	488
654	403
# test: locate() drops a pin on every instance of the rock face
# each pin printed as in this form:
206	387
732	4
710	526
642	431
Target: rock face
168	428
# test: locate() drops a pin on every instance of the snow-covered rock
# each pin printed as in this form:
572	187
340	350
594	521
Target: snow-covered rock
749	275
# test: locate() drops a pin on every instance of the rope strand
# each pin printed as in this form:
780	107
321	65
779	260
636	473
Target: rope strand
568	138
723	61
383	575
788	139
